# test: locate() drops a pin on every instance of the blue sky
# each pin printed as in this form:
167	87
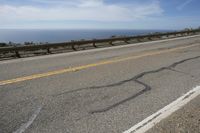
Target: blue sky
99	14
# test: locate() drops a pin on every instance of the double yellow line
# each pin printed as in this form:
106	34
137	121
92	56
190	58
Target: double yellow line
66	70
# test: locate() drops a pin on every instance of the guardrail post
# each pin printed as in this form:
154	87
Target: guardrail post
111	43
94	44
17	54
48	50
73	47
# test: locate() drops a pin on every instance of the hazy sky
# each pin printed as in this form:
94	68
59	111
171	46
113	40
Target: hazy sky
100	14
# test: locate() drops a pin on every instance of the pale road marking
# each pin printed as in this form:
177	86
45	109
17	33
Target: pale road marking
31	120
72	69
93	50
155	118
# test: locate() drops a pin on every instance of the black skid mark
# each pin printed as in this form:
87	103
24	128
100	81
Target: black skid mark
182	61
172	69
135	79
147	87
96	87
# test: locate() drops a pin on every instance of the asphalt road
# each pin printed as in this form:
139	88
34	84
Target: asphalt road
96	91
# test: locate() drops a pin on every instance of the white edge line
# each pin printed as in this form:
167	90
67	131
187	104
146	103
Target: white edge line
94	50
31	120
155	118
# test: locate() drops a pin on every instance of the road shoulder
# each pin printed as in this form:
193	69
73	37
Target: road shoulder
185	120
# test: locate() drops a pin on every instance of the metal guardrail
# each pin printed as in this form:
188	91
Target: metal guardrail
72	44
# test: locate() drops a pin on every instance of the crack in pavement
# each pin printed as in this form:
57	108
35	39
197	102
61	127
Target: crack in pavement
135	79
185	73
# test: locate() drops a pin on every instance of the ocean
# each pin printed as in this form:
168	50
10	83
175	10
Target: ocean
51	36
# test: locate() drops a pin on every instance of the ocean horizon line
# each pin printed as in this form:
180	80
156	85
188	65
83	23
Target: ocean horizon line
53	35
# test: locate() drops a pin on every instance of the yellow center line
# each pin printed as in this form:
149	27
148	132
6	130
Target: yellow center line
66	70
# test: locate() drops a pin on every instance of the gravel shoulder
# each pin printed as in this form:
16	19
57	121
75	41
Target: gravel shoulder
185	120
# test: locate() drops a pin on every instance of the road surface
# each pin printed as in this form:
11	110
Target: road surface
106	90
